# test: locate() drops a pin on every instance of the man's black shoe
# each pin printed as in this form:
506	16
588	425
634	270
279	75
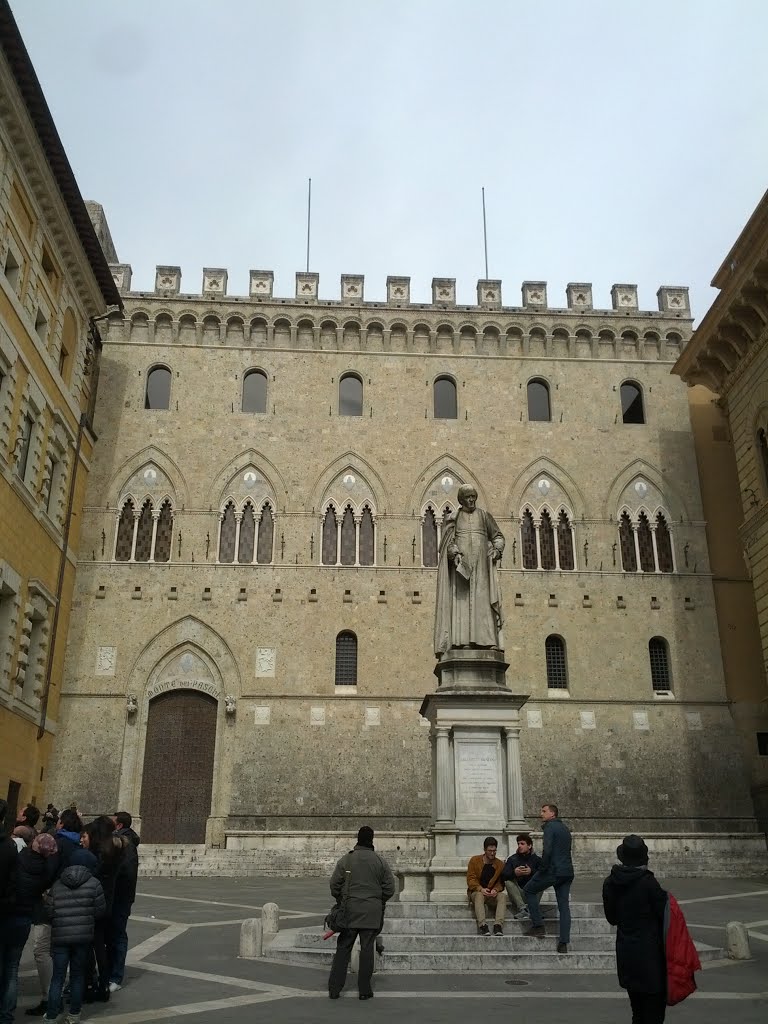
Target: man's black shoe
538	931
483	929
37	1011
562	947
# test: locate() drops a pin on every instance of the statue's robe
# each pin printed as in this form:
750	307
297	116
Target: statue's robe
468	611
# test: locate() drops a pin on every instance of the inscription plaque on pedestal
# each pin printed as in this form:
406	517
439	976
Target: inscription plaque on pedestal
478	780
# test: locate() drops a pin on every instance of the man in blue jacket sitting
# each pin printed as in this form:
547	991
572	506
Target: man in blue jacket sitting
556	870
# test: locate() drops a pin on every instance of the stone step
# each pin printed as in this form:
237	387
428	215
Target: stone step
426	926
454	911
476	944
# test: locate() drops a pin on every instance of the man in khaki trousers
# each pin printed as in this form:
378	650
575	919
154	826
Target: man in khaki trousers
485	890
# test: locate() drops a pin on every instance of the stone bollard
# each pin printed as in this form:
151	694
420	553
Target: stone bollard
270	924
250	938
737	941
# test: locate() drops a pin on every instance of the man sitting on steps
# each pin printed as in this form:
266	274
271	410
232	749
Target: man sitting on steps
484	888
518	870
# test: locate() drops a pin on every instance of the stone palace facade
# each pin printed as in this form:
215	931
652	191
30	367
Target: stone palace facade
252	625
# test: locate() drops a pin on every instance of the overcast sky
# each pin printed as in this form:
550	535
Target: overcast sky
617	142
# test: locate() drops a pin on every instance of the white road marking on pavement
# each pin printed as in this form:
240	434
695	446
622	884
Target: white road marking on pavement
139	1016
755	924
733	896
154	942
759	935
151	920
221	979
218	903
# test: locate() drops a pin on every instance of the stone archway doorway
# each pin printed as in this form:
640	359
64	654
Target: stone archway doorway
177	780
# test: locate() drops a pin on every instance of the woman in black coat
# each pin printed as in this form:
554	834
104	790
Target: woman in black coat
635	902
109	850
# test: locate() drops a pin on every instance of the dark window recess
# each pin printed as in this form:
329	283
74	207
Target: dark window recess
255	391
164	534
538	401
350	396
125	533
348	538
632	403
565	542
367	548
247	535
547	541
762	444
762	744
144	534
663	544
445	401
645	543
557	670
429	539
659	658
329	536
346	659
158	393
626	537
265	542
530	561
227	535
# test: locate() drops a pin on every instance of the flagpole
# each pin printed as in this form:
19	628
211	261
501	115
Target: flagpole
485	237
309	213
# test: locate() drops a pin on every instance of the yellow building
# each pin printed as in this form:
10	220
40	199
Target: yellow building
726	364
54	284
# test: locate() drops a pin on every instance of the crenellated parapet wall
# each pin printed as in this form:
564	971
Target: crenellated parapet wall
306	321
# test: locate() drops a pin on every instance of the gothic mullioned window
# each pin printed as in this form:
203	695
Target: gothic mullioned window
557	667
246	537
346	659
349	536
547	544
144	536
646	545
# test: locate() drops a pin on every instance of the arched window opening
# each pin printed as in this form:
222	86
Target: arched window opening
348	537
762	447
632	403
547	542
164	535
367	538
565	542
627	540
429	539
227	534
645	543
126	523
144	534
445	400
447	513
658	653
538	401
664	545
557	668
346	659
247	537
528	533
350	395
255	391
329	536
158	393
265	542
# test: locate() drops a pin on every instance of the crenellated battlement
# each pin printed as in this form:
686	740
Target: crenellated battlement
672	301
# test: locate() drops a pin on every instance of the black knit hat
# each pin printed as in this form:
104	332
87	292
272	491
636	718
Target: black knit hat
365	836
633	852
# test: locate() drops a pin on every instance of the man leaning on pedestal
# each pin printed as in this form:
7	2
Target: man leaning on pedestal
485	889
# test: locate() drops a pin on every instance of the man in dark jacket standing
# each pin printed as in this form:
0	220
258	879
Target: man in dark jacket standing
13	933
556	870
635	902
125	894
369	882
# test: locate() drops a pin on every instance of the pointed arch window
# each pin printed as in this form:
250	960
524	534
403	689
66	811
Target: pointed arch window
227	533
538	400
547	542
329	536
658	654
164	534
254	391
632	410
429	539
445	403
350	395
557	666
348	537
762	447
265	544
158	391
645	544
528	536
143	545
627	541
565	542
125	527
346	659
664	545
247	538
367	549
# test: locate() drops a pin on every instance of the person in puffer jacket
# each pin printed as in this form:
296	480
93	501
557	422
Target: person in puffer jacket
75	902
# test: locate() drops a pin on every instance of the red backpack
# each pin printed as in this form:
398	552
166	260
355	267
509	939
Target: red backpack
682	958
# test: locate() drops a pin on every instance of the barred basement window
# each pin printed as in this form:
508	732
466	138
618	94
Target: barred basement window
658	652
346	659
557	670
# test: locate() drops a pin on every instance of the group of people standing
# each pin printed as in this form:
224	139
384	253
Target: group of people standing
69	889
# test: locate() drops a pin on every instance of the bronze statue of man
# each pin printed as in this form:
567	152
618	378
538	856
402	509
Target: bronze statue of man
468	606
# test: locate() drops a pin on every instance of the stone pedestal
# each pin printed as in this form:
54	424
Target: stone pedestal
476	780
